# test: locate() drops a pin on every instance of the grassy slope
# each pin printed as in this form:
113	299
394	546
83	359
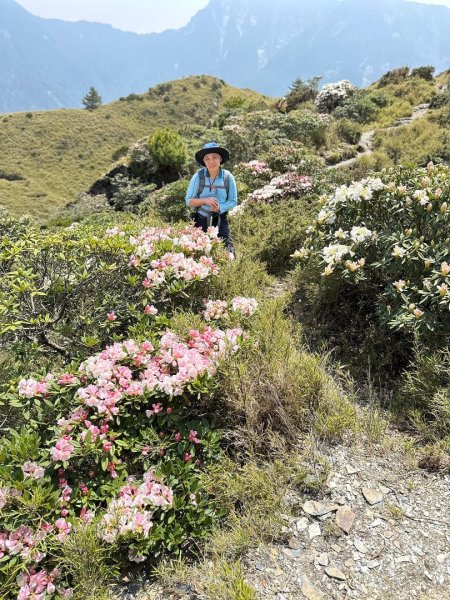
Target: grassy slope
53	155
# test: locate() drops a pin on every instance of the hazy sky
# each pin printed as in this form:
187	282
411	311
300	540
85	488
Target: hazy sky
142	16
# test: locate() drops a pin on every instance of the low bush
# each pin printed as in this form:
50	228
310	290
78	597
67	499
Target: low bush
424	394
358	107
118	439
272	232
303	126
425	72
333	95
393	272
347	130
419	143
277	390
168	203
393	77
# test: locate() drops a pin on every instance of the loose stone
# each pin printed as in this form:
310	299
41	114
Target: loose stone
372	495
335	573
344	518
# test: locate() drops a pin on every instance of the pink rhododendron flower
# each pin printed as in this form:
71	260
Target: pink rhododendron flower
36	585
215	309
86	515
63	527
246	306
67	379
31	388
63	449
33	470
129	513
150	309
193	437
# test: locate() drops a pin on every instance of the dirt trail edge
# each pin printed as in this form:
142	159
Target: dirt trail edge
366	141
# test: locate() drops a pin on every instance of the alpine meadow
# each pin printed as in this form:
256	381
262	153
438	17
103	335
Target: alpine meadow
180	423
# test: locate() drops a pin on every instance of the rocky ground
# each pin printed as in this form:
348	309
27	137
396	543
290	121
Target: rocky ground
380	532
377	531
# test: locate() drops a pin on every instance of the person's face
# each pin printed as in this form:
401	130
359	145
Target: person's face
212	161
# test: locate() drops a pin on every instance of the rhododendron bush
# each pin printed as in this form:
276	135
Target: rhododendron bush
388	237
118	437
69	292
127	453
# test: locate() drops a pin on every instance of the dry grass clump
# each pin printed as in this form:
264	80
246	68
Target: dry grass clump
275	388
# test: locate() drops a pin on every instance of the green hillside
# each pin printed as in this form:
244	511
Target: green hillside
48	157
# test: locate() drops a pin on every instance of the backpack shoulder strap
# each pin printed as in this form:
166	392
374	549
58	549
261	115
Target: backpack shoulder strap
226	180
201	181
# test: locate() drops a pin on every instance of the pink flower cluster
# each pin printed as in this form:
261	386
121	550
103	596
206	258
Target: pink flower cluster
168	370
218	309
23	542
63	449
189	240
215	309
38	585
187	258
246	306
258	167
292	183
63	527
128	514
30	388
33	470
288	184
178	266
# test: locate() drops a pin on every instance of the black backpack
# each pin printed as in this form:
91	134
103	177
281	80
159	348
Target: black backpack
201	184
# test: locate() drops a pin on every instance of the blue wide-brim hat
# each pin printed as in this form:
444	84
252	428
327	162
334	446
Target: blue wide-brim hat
209	148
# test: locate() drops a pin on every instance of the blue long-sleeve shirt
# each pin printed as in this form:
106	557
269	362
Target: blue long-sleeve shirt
219	193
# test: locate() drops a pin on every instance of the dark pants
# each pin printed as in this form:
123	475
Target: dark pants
224	229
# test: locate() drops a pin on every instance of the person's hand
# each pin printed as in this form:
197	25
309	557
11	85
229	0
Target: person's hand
212	202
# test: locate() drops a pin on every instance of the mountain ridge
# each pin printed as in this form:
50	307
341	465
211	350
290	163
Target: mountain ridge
49	63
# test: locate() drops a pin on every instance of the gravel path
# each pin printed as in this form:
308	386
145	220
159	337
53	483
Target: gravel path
365	142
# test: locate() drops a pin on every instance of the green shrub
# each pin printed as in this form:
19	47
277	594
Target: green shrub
395	268
277	389
439	100
121	455
271	233
425	72
294	156
69	281
168	149
392	77
128	193
348	130
168	203
302	91
304	126
358	107
418	143
141	162
86	560
424	393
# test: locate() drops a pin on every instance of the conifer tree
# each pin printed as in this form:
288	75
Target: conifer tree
92	100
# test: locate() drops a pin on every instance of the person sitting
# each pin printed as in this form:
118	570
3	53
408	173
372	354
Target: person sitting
212	192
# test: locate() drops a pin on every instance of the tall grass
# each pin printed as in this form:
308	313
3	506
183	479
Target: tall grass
50	157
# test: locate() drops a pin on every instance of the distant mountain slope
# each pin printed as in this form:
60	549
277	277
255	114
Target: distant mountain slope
48	157
48	63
